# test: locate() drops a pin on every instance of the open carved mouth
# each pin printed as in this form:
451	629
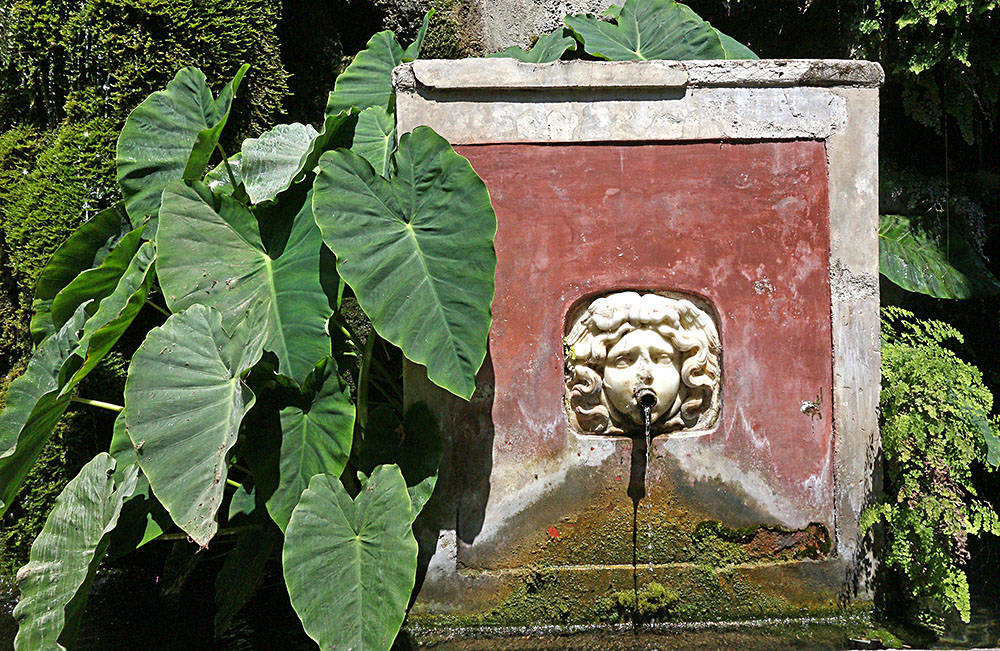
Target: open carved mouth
645	398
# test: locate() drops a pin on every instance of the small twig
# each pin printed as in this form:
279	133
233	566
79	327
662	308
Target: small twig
97	403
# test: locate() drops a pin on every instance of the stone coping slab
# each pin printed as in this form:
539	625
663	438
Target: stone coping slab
509	74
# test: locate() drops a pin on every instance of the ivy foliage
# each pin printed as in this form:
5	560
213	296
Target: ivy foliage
936	428
944	55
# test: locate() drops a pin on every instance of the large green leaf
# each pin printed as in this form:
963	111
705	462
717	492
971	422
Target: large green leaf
218	178
115	313
96	283
270	163
34	405
368	80
64	556
170	136
648	29
143	518
315	438
375	138
917	261
184	402
548	47
734	49
350	565
87	247
210	252
417	249
413	51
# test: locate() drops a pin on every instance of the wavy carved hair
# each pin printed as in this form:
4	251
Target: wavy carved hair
609	318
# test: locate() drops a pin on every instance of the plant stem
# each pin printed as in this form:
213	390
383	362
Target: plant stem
97	403
232	531
229	170
364	378
234	484
158	308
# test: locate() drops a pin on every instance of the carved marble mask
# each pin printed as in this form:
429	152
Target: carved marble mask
625	345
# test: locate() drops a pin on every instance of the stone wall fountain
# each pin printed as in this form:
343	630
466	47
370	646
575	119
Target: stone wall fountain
679	403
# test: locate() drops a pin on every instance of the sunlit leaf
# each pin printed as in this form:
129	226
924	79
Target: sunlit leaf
432	224
918	261
210	252
271	162
366	553
368	80
170	136
65	555
648	29
184	402
549	47
375	138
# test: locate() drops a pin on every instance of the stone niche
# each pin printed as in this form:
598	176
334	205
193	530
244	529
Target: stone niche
706	230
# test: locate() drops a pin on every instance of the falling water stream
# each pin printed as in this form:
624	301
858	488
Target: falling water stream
645	399
649	503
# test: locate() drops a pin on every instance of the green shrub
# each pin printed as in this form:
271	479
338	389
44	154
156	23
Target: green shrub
935	429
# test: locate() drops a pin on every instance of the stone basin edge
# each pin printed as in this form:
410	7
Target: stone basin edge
511	74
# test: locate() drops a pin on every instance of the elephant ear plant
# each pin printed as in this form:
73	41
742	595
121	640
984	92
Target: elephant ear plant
257	407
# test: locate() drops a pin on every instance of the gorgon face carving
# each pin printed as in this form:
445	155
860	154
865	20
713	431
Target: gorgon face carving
625	343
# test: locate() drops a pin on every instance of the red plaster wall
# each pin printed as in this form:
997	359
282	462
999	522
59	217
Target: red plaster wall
743	225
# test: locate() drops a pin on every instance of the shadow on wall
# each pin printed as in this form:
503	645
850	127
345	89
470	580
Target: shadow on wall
463	488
